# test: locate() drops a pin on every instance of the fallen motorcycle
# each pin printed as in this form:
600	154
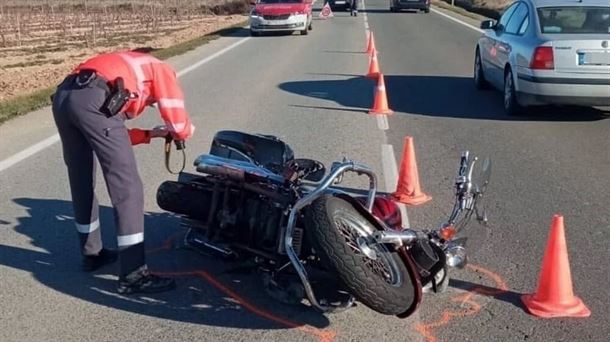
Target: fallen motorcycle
252	200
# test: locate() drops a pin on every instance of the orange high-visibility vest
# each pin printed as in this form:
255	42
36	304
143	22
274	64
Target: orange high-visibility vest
151	81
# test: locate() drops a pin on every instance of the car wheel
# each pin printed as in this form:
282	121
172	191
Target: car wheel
254	33
392	9
427	10
479	75
511	104
304	32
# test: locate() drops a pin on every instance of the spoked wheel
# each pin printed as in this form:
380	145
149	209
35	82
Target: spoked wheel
342	237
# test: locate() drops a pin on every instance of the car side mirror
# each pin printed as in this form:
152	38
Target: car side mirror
488	25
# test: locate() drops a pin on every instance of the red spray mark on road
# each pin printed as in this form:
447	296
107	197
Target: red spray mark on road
323	335
468	304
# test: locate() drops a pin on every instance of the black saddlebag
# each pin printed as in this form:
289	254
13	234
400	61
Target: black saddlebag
264	150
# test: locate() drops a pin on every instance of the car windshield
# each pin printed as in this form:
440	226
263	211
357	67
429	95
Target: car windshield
280	1
571	20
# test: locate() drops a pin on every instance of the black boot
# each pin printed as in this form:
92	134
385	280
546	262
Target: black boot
91	263
142	281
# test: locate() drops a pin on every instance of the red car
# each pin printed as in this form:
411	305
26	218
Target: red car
281	15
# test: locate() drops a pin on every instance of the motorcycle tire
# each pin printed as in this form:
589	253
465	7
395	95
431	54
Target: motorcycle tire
326	220
192	199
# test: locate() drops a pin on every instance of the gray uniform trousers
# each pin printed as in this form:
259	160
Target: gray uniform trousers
87	133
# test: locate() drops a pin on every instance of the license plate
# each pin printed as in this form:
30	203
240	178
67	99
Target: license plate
594	58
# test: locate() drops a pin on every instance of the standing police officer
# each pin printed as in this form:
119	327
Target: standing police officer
89	109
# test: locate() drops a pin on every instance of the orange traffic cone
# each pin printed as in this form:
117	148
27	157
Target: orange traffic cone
371	44
408	190
554	297
380	106
373	66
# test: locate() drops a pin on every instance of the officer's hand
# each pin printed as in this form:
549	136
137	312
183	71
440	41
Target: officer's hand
185	134
159	132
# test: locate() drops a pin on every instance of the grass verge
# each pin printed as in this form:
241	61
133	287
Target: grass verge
458	10
467	8
26	103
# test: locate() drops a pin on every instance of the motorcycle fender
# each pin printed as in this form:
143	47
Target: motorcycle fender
415	279
402	251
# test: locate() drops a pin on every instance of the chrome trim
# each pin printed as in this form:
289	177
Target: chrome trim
307	200
403	238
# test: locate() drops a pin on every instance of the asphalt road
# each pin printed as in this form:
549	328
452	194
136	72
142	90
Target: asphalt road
310	92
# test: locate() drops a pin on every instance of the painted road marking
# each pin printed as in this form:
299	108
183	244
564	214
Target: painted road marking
382	122
388	158
457	20
468	305
28	152
323	335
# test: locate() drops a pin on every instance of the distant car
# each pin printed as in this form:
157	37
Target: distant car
420	5
547	52
340	4
281	15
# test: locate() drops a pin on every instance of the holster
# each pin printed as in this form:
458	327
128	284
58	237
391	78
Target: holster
116	100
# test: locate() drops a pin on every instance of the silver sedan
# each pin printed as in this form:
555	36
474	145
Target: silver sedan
547	52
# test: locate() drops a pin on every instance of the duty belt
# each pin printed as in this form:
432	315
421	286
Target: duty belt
89	78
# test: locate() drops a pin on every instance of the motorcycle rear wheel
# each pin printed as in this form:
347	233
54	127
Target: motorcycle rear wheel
339	234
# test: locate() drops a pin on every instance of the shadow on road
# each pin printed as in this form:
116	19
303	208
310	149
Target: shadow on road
438	96
505	296
55	263
232	32
355	93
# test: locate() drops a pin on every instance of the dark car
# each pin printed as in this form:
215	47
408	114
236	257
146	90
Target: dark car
344	5
420	5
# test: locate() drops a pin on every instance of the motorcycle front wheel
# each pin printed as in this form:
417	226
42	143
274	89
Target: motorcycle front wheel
342	237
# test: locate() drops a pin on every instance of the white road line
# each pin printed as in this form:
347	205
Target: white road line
211	57
390	173
32	150
456	20
382	122
388	159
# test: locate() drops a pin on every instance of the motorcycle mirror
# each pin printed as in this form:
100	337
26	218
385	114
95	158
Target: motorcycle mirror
481	178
